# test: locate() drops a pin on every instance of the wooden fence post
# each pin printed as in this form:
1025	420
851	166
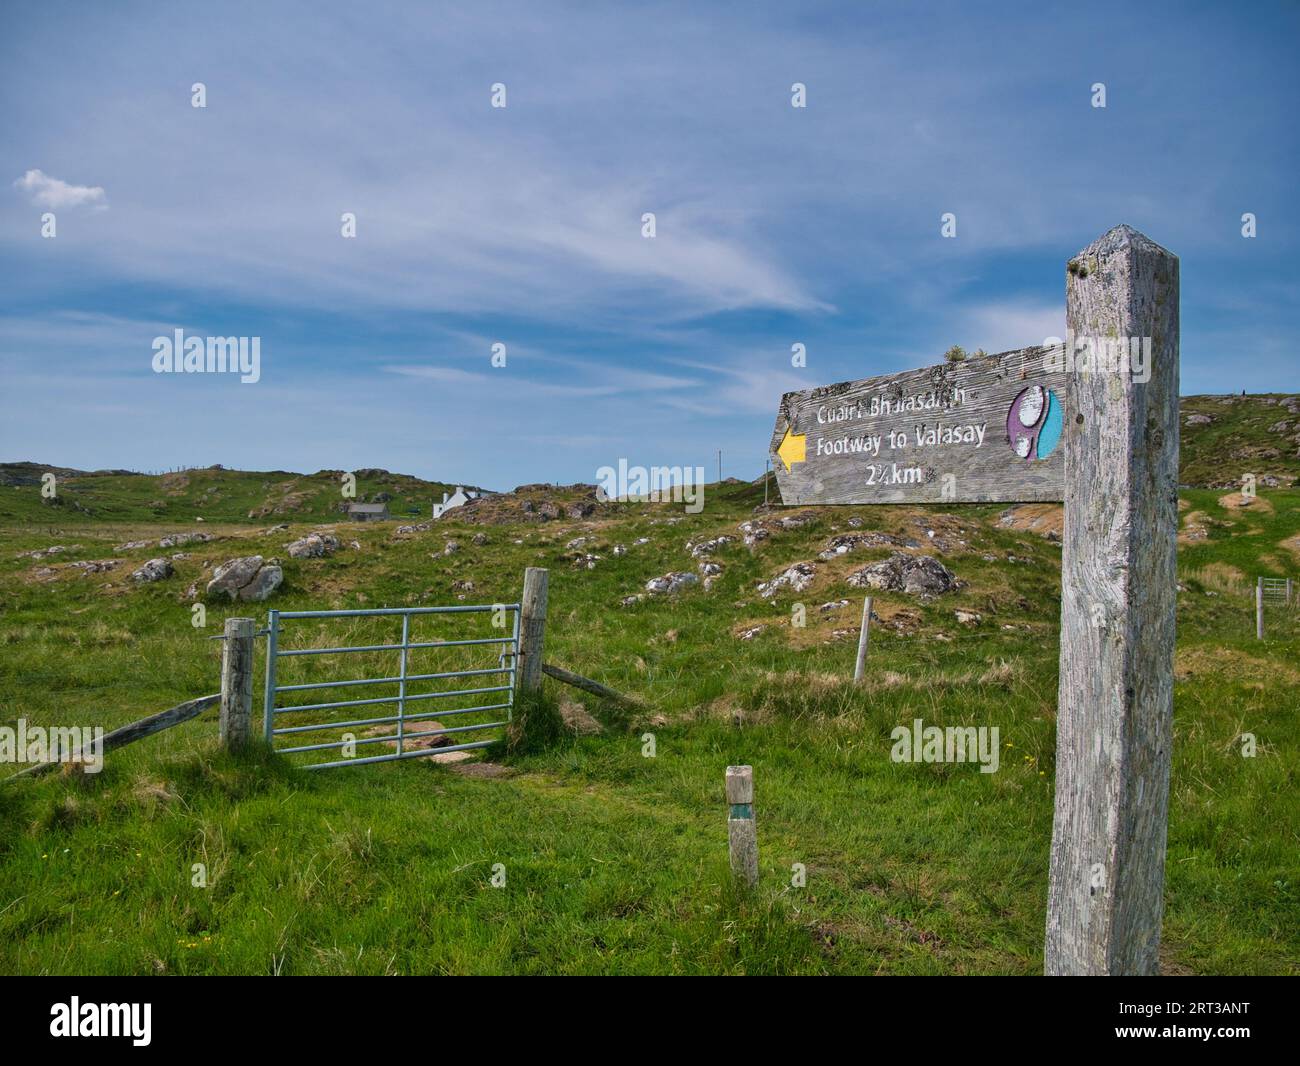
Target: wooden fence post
864	636
742	835
532	628
1114	722
236	683
1259	608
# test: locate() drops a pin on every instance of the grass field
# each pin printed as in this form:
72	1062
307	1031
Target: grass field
616	862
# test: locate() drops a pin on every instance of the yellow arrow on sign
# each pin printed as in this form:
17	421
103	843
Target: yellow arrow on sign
792	449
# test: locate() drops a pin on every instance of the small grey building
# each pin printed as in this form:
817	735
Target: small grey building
368	512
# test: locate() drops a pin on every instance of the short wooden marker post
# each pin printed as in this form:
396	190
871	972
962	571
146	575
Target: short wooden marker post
864	636
236	683
532	629
1114	725
1259	608
742	836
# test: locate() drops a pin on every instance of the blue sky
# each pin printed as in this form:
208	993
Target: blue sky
522	225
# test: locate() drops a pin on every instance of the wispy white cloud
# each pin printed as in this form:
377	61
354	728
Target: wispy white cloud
47	191
1004	326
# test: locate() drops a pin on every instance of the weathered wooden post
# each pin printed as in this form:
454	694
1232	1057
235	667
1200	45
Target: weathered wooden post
1118	581
1288	592
1259	608
864	636
532	628
742	835
236	683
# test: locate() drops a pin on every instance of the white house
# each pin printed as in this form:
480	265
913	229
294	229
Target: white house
457	499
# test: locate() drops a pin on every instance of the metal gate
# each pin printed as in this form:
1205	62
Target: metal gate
336	715
1276	589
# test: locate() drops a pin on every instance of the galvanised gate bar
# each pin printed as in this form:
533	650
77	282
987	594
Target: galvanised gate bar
335	715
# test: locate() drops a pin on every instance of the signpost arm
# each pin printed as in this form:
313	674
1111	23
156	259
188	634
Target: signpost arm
1118	580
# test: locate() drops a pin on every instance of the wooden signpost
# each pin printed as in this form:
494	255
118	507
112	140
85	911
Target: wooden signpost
1093	422
984	429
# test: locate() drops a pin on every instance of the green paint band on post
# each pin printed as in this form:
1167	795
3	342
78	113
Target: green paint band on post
742	810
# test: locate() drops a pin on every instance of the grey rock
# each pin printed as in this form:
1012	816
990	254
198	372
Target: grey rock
153	570
234	575
177	539
671	582
96	566
848	542
796	578
314	546
701	548
265	582
918	575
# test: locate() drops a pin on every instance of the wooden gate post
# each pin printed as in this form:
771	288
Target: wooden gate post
1259	608
532	629
1114	720
236	683
742	834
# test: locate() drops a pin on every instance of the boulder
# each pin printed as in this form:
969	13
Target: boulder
265	582
796	579
919	575
672	582
153	570
96	566
314	546
245	578
175	540
699	549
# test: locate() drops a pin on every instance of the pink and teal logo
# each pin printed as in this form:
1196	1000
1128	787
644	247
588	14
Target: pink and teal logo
1034	423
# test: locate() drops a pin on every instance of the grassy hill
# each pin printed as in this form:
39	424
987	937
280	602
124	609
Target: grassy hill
616	862
211	493
1225	437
